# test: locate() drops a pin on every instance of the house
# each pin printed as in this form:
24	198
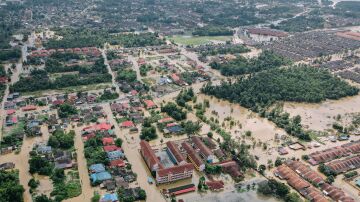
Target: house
57	102
219	153
109	148
9	120
120	182
3	80
91	99
88	136
166	120
63	163
7	166
43	149
282	151
164	80
149	104
108	141
117	163
133	93
231	168
173	129
9	105
215	185
10	111
29	108
109	185
100	177
97	168
204	151
113	155
127	124
193	156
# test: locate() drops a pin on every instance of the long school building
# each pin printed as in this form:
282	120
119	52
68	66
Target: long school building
181	170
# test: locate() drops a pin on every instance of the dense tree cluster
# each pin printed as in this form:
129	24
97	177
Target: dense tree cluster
148	131
126	75
40	165
62	140
297	83
212	31
10	188
12	54
108	95
191	128
174	111
225	49
272	187
93	151
301	23
241	65
144	69
65	110
184	96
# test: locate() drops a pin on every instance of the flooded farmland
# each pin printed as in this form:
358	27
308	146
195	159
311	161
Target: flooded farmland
321	116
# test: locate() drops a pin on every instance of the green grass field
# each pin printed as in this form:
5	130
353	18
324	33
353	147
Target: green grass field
197	40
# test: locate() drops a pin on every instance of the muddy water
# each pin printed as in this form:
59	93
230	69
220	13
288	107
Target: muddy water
45	186
320	116
21	161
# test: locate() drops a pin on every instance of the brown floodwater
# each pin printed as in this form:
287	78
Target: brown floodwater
321	116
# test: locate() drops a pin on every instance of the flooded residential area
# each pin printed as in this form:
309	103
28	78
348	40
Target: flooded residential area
180	101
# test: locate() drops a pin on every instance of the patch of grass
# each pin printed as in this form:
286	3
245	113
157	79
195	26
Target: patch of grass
71	89
198	40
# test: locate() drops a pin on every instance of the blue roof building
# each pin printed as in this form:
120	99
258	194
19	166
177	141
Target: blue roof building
97	168
113	155
100	177
109	198
175	129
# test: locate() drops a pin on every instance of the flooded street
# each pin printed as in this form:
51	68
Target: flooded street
131	150
87	190
21	162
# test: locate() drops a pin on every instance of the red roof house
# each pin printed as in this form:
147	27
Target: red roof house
127	124
150	104
3	79
117	163
29	108
108	141
10	111
110	148
215	185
